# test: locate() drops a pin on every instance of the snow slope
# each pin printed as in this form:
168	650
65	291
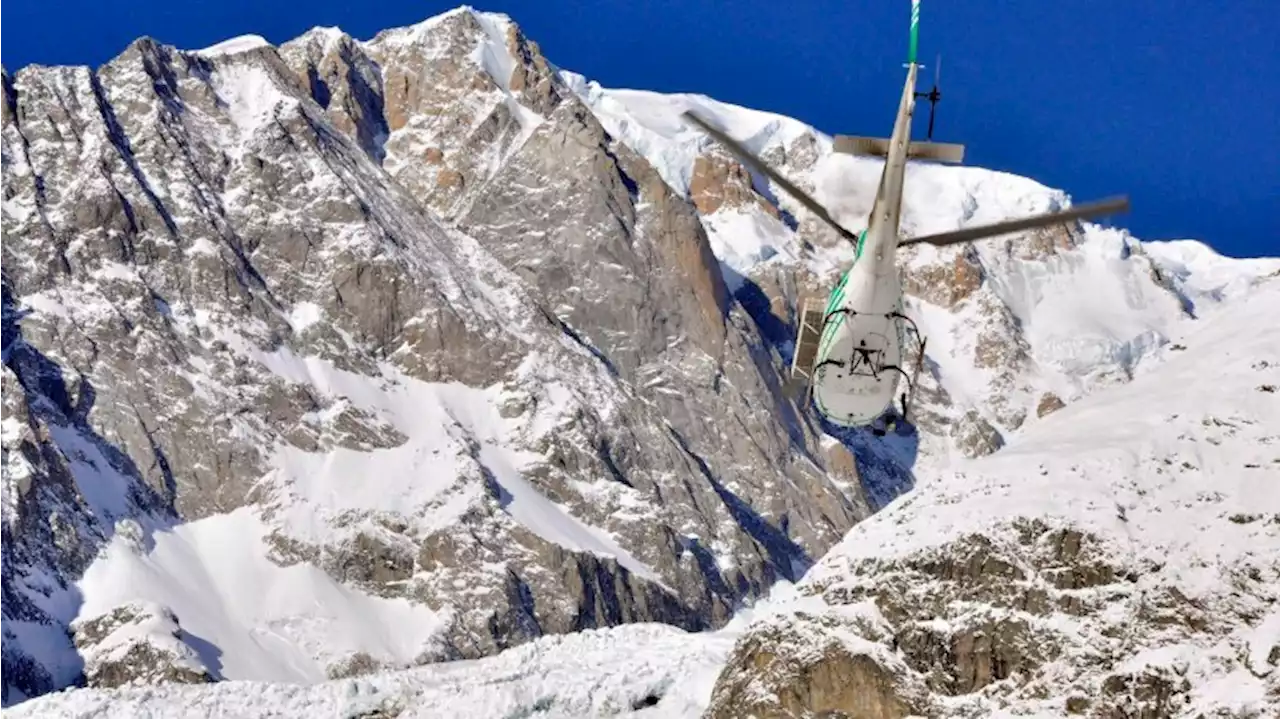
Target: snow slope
272	623
650	123
1088	314
259	620
234	45
1203	275
1185	446
937	198
1111	465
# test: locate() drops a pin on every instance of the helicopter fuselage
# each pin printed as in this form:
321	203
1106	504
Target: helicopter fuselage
859	361
856	373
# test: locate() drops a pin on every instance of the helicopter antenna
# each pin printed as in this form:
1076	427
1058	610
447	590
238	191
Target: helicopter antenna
933	95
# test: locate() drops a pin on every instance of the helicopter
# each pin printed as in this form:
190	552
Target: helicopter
849	351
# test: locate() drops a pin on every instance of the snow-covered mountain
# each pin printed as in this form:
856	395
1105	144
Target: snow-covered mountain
1122	558
346	356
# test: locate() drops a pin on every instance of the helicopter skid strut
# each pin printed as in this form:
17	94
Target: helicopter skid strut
908	397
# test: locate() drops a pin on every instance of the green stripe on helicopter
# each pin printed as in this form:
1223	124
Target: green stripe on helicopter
915	30
837	292
834	300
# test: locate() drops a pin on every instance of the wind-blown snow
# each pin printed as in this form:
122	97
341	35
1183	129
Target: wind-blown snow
329	37
304	315
935	198
491	53
1080	309
1205	276
494	57
1091	314
756	238
650	123
235	45
488	50
1087	308
251	95
415	34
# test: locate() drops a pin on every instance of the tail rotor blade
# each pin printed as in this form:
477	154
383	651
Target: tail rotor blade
754	162
969	234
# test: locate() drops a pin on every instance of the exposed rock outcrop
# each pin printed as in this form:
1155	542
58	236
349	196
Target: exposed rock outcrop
137	643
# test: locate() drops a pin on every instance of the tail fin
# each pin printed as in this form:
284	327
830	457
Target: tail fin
915	31
879	147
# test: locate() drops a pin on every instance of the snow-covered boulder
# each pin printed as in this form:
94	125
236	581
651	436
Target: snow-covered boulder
138	643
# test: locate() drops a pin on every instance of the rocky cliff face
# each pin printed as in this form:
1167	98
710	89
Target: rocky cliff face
225	273
468	346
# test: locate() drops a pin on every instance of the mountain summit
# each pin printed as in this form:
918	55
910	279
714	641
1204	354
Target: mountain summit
345	356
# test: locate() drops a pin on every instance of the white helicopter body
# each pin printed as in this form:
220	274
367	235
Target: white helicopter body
858	365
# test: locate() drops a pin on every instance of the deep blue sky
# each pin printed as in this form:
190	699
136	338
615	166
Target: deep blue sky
1175	102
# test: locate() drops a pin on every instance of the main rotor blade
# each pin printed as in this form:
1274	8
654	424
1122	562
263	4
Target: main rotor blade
1101	207
751	160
